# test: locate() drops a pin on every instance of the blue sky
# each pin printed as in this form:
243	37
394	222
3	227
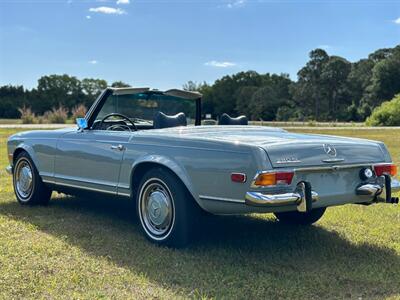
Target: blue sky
163	44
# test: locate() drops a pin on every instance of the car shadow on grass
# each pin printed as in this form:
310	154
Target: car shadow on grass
239	257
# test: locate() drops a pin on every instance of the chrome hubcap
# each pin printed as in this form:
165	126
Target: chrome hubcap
157	211
23	179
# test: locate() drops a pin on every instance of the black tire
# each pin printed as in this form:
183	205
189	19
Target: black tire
154	189
301	218
34	193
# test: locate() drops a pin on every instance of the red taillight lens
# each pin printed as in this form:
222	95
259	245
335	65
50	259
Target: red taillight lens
265	179
284	177
238	177
385	170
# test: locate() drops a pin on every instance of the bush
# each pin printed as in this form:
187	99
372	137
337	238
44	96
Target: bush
27	116
387	114
56	115
79	111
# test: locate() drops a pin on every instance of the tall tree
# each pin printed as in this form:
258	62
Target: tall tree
307	92
120	84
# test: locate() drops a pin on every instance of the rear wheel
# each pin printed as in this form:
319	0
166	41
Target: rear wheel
28	186
301	218
166	210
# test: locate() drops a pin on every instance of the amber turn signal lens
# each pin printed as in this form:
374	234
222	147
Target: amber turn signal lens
266	179
385	170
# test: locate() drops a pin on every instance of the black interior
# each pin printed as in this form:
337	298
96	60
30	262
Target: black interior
161	120
225	119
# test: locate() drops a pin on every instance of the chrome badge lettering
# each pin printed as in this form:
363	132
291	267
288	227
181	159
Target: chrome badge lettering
287	160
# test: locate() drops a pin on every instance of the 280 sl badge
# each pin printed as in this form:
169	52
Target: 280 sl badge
285	160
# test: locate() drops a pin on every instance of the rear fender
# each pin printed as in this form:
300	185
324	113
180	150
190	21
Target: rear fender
170	164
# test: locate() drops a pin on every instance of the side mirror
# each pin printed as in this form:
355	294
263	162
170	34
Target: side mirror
82	123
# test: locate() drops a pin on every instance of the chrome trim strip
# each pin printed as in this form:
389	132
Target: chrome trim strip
210	198
124	186
124	194
9	170
80	187
332	160
73	178
336	167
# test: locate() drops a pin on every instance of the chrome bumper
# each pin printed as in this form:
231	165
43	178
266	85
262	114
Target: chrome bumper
269	200
9	170
380	191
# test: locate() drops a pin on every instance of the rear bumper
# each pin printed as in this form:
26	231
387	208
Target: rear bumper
379	191
266	200
9	170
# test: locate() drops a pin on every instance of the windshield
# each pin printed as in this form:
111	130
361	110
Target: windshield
141	108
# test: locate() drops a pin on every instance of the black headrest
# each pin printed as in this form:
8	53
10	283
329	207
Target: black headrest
161	120
225	119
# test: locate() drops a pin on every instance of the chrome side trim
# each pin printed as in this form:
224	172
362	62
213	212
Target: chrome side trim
210	198
80	187
124	194
83	181
9	170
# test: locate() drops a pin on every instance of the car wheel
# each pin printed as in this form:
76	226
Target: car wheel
165	208
301	218
28	186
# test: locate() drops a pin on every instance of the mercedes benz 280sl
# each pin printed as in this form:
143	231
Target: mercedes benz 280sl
149	145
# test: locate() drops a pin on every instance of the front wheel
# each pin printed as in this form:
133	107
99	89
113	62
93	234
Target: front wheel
165	208
28	186
301	218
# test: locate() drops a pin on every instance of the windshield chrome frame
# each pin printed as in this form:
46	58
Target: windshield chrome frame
98	104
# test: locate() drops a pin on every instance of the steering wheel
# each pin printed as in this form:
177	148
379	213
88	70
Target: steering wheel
113	127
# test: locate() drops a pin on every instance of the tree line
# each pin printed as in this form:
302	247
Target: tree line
328	88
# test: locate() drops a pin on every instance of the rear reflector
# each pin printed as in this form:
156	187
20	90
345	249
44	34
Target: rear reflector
385	170
238	177
265	179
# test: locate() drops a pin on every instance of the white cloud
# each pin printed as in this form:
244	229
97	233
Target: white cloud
220	64
397	21
123	2
107	10
93	62
236	3
88	17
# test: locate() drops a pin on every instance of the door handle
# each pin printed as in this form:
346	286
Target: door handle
118	147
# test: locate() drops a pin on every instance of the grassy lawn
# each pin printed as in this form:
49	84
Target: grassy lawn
10	121
92	248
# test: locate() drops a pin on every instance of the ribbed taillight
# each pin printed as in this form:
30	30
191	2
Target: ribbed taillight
274	178
385	169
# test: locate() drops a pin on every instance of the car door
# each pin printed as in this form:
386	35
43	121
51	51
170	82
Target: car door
90	159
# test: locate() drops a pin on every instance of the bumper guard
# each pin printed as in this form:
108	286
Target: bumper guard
9	170
303	197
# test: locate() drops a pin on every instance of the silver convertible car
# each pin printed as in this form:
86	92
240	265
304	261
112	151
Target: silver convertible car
149	145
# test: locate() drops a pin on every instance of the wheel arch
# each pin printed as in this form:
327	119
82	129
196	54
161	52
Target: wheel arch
141	166
25	148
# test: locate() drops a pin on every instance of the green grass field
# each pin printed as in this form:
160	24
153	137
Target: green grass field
92	248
